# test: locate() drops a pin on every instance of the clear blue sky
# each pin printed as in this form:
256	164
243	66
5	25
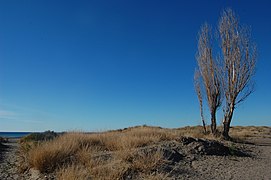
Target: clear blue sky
98	65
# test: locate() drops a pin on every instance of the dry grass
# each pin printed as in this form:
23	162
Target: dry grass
118	166
110	155
242	133
96	155
73	172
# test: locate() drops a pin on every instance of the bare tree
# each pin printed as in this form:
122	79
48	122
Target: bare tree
239	60
209	73
199	94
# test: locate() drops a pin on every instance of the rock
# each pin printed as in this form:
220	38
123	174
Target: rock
171	154
205	147
35	174
187	140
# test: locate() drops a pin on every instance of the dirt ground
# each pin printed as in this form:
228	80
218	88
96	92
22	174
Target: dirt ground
191	161
8	161
258	166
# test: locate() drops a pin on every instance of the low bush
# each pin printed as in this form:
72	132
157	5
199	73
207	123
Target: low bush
44	136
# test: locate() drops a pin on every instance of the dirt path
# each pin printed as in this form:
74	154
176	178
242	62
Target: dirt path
8	161
9	164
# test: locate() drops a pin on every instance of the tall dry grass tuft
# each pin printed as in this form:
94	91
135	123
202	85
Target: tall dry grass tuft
50	155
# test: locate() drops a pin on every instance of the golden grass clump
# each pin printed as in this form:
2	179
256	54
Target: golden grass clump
49	155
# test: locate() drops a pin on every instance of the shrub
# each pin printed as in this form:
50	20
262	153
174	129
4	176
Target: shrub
45	136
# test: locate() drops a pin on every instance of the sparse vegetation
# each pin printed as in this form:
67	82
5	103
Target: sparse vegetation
114	151
135	153
241	133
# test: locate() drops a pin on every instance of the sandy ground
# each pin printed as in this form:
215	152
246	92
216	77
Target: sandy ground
232	167
257	166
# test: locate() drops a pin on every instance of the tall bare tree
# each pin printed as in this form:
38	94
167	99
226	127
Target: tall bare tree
239	60
197	83
209	72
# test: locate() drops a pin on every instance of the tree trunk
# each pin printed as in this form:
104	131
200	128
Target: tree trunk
226	129
204	126
227	122
202	118
213	122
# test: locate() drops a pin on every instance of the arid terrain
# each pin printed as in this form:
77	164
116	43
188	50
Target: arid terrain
141	153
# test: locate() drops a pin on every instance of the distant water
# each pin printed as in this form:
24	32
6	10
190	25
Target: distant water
13	134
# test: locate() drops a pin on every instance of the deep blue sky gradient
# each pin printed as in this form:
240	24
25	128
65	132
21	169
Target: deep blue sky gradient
98	65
